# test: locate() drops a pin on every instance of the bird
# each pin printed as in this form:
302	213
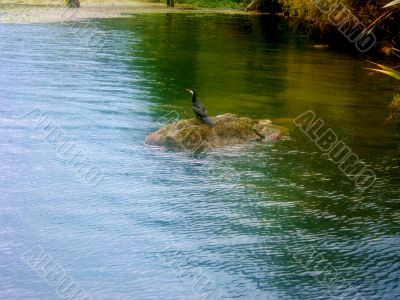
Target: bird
198	108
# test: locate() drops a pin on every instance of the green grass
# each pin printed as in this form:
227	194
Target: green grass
237	4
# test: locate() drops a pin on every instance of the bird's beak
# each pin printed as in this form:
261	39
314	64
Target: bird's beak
189	91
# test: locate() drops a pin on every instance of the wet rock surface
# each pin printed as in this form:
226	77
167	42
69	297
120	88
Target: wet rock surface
228	129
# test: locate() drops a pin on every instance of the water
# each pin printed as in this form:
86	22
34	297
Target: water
270	221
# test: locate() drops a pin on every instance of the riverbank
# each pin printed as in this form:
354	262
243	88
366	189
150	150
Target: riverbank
36	11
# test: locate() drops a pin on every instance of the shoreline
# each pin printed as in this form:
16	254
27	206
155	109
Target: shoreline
42	12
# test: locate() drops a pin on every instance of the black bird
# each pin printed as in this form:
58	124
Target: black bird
199	110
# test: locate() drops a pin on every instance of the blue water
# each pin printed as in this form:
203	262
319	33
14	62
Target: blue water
269	221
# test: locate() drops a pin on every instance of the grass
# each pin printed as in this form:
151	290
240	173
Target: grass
386	70
394	105
235	4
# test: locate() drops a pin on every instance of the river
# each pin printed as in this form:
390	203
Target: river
274	220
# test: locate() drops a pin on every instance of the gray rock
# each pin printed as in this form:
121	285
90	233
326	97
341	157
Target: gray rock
228	129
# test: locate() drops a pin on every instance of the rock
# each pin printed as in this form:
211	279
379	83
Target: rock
193	135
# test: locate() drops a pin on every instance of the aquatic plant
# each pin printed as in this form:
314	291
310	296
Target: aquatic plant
394	105
386	70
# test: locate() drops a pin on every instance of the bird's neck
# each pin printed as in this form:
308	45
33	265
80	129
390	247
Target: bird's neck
194	98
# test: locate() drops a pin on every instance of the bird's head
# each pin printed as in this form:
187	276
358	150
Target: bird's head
191	91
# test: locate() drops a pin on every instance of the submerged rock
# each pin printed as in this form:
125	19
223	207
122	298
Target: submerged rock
228	129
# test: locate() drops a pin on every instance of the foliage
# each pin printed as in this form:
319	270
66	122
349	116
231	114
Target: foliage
239	4
386	70
394	106
393	3
73	3
378	16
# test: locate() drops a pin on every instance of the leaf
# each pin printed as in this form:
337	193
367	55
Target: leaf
395	2
386	70
392	74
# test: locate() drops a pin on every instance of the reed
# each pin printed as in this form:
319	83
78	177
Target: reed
394	105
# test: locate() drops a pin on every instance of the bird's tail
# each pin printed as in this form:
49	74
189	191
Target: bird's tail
207	120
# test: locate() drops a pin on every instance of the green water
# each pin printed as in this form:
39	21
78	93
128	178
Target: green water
263	221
